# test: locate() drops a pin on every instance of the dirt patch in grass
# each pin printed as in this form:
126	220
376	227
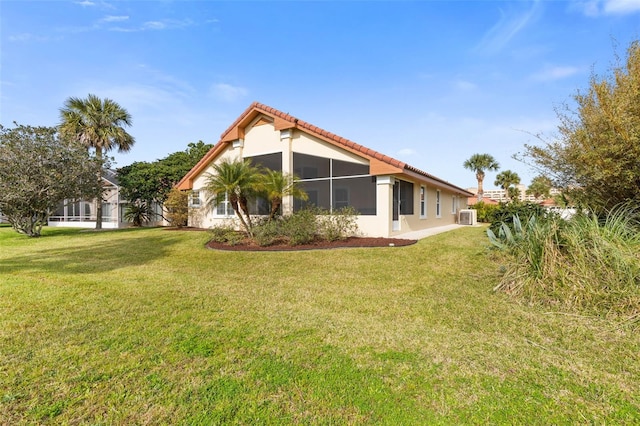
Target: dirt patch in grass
249	245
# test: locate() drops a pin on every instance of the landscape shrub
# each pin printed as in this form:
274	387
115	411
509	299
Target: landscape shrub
268	232
339	225
583	264
226	233
485	212
301	227
505	212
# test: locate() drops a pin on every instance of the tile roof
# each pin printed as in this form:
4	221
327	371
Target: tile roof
257	108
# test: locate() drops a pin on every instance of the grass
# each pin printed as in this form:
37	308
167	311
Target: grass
149	327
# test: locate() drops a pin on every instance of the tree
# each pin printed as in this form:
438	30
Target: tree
480	163
236	181
595	158
38	171
277	185
540	187
513	193
97	124
152	182
507	180
177	207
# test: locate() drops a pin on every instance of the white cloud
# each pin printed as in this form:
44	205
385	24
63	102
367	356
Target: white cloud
228	93
154	25
89	3
165	24
508	26
621	6
112	18
596	8
28	37
551	73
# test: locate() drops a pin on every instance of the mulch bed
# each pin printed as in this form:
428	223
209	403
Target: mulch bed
351	242
249	245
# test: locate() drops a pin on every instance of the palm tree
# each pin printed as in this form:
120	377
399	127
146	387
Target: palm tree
238	181
505	179
277	185
98	124
540	187
479	163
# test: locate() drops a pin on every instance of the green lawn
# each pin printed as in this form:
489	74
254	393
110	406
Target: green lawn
149	327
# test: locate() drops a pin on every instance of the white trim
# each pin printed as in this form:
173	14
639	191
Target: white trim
438	203
285	134
384	180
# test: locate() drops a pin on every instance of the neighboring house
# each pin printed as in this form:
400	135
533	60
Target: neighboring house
391	196
474	200
82	214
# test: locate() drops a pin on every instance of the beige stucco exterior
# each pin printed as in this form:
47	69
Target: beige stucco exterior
262	130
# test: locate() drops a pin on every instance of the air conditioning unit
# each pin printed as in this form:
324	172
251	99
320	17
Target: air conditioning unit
468	217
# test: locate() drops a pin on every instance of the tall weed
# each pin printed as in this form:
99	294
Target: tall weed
584	264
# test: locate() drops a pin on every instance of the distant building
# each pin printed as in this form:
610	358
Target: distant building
500	195
82	213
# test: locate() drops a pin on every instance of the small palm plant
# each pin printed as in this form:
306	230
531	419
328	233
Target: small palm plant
277	185
238	181
138	213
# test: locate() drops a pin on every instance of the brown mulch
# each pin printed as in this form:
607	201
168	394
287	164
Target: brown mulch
249	245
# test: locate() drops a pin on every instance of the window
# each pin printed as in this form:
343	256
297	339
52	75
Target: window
268	161
423	202
406	198
438	203
333	184
223	208
454	204
194	199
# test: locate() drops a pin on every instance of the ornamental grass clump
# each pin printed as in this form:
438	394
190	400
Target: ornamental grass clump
586	264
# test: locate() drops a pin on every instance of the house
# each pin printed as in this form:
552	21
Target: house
82	213
391	196
474	200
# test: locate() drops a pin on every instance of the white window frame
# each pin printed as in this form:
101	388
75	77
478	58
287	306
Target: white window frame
229	212
438	206
454	204
423	202
194	199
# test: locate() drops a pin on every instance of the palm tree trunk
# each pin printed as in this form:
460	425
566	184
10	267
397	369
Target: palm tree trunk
275	203
244	205
99	199
480	178
236	208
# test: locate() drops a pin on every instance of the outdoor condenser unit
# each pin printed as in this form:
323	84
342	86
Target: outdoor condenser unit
468	217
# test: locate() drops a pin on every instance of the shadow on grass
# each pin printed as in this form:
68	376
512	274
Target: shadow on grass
88	253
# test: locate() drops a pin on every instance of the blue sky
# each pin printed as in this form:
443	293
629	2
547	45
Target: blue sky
426	82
